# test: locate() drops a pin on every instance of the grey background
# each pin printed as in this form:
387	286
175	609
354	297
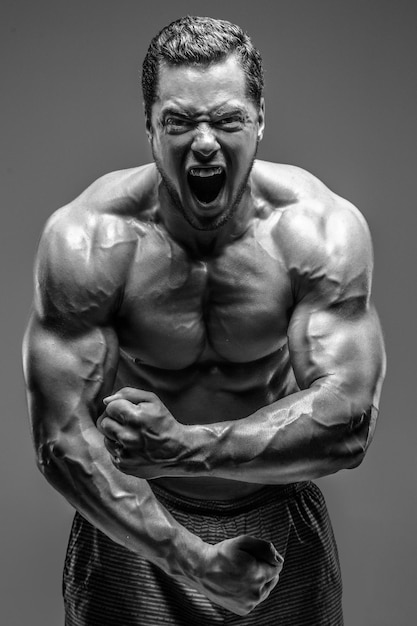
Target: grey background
341	102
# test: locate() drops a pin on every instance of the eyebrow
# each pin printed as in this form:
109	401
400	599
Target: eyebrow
173	111
230	109
224	109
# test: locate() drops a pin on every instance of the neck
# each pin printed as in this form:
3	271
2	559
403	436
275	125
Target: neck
205	242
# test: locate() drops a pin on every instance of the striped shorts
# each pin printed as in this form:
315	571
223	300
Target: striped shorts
107	585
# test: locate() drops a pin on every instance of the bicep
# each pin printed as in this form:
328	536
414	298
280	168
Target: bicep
334	333
340	346
67	375
71	349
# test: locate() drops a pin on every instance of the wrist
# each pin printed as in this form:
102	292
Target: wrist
197	449
189	554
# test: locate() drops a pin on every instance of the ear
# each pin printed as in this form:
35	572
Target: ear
261	119
148	127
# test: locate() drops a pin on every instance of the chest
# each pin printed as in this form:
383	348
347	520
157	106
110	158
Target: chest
178	310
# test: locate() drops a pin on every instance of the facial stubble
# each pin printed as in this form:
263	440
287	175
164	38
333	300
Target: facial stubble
204	223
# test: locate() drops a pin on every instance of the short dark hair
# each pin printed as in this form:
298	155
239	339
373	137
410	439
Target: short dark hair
201	41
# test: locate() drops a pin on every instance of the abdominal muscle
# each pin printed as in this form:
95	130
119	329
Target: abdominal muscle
208	393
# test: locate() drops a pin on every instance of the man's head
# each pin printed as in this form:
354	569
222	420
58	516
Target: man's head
204	115
200	41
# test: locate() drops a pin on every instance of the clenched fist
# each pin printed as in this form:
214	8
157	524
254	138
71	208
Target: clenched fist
240	573
141	435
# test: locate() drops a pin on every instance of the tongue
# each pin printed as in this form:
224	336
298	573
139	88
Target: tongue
206	188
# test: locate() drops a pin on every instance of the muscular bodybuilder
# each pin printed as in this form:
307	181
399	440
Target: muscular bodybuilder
202	345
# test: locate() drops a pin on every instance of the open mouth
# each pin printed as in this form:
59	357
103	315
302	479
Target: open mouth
206	182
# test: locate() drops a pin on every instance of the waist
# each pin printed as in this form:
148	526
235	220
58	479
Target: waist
202	506
212	488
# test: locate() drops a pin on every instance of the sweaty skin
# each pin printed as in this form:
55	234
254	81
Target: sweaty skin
227	359
265	319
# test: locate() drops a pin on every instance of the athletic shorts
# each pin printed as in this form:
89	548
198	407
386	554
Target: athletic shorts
107	585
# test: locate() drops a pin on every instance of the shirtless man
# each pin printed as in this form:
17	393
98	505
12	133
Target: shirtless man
219	307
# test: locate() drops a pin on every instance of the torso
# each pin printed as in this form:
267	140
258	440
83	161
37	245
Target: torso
207	335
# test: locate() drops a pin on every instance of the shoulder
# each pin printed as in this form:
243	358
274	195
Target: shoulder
87	246
124	193
323	238
279	183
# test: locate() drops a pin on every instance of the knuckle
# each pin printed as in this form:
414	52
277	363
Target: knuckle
102	424
125	411
252	603
243	612
129	439
257	595
113	408
121	443
124	405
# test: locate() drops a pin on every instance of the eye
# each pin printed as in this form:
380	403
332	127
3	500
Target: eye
176	124
231	123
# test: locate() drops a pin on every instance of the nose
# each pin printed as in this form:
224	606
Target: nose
205	143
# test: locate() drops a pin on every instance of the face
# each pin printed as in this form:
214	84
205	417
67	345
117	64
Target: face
204	133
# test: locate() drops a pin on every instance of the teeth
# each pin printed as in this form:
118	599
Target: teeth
205	172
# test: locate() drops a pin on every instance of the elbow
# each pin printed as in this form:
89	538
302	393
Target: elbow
355	458
67	463
340	457
50	460
353	442
346	442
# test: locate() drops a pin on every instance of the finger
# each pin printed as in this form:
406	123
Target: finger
118	456
271	572
110	428
261	550
133	395
113	447
98	422
268	587
121	411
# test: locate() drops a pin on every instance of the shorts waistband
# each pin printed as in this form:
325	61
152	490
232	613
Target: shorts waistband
265	495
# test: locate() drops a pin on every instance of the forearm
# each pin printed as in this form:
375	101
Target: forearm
66	379
306	435
122	507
